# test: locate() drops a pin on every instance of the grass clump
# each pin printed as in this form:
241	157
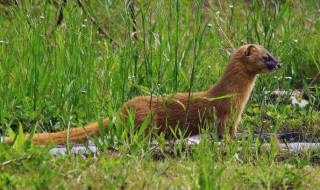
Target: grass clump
57	76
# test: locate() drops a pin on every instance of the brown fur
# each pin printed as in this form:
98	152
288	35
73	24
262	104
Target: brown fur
185	110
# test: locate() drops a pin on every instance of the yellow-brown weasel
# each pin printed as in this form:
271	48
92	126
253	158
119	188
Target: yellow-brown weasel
187	111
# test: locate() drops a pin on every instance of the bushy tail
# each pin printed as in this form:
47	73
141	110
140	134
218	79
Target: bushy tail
77	134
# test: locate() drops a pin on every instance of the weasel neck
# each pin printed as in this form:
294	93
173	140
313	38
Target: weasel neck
236	80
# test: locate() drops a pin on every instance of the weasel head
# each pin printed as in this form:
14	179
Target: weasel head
257	59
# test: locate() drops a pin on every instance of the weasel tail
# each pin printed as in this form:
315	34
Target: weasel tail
183	110
76	134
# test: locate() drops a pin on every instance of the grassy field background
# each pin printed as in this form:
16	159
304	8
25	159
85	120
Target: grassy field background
54	76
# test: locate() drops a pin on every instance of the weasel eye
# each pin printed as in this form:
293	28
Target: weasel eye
267	59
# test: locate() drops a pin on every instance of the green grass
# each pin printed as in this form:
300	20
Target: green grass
54	77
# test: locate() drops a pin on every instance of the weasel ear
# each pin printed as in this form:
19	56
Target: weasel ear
249	50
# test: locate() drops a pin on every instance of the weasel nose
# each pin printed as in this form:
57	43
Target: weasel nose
279	65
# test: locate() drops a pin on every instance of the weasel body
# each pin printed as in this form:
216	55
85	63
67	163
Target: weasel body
188	111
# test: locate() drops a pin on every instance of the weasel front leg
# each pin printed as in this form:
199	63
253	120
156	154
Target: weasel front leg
222	124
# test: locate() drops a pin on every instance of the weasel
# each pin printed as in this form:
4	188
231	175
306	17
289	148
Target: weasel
188	111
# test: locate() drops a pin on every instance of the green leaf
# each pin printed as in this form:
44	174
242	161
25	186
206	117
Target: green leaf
12	135
220	97
19	143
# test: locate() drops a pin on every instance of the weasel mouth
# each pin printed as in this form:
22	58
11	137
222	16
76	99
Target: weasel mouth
273	67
